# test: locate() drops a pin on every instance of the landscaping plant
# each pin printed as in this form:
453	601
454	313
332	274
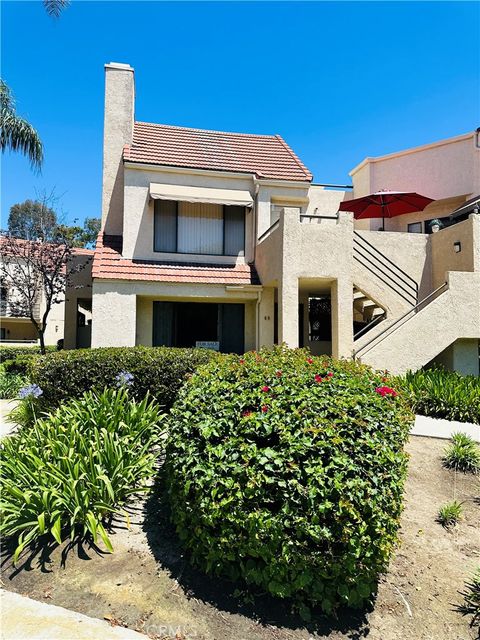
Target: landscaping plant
10	384
463	454
287	471
471	599
158	371
443	394
70	471
450	514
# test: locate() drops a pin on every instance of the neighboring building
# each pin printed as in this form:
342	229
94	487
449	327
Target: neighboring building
18	330
221	239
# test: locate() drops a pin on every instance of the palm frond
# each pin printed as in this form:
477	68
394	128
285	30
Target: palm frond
18	135
55	7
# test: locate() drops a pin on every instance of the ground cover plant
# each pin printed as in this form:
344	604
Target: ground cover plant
10	383
158	371
287	471
450	514
70	471
12	353
463	454
471	599
443	394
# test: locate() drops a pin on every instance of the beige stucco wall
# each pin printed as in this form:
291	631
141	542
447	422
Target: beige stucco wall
461	356
122	311
118	131
18	329
444	257
451	316
440	170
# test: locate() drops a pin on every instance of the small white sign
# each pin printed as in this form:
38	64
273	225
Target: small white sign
205	344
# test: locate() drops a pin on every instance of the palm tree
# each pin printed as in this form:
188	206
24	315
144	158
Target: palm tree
16	133
55	7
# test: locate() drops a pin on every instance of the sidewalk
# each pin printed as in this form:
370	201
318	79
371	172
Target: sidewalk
438	428
6	406
26	619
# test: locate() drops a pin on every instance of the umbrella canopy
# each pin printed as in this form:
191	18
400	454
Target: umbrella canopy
385	204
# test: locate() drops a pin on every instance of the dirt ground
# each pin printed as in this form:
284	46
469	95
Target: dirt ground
147	584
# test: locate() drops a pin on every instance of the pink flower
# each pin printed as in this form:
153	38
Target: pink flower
310	360
279	374
265	389
264	408
386	391
318	378
247	413
329	374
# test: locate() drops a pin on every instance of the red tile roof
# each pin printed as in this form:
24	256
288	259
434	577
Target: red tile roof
265	156
108	263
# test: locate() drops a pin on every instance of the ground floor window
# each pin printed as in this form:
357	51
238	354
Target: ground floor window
188	324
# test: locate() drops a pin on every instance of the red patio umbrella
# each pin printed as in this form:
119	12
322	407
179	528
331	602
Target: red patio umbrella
385	204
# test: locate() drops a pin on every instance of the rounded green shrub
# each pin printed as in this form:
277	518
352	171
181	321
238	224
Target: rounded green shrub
287	472
158	371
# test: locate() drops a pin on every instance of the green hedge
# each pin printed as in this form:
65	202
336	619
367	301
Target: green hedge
443	394
11	353
158	370
287	472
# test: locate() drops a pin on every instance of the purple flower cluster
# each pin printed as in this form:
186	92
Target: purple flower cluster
124	379
30	391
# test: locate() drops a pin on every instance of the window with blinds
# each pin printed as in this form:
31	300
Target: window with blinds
198	228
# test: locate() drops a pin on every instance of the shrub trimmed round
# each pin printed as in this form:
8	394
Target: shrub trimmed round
287	471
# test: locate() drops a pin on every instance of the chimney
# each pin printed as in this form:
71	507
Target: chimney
117	132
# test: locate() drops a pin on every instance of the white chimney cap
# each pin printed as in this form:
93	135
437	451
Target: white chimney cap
119	65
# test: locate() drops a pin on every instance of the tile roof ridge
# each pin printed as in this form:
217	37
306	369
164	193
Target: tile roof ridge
195	129
307	173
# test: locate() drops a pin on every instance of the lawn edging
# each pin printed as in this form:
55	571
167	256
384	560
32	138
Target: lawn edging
441	428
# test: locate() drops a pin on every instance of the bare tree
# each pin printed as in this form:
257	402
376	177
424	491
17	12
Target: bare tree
35	273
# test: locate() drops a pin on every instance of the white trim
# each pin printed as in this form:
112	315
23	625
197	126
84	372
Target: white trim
405	152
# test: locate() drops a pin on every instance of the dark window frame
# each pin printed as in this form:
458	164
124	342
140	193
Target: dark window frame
196	253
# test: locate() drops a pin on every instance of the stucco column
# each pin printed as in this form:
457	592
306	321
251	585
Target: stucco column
288	311
342	318
266	318
114	314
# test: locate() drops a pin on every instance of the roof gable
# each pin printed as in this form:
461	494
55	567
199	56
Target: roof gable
266	156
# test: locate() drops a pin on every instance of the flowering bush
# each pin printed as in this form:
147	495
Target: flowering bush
287	471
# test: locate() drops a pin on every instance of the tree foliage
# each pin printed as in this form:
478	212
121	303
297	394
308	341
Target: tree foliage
16	134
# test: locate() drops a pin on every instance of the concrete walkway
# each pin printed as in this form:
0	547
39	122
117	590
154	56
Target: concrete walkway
27	619
6	406
438	428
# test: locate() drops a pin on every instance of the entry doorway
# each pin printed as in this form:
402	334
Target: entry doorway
188	324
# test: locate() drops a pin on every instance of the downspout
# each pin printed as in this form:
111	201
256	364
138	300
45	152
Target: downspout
255	219
257	315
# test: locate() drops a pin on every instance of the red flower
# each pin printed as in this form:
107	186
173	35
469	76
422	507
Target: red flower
386	391
279	374
264	408
265	389
310	360
247	413
318	378
329	374
241	361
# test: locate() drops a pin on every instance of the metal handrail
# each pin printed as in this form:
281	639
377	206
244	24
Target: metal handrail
309	215
370	325
408	277
402	317
411	292
270	228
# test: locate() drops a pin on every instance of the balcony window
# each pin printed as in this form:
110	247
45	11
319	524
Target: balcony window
198	228
414	227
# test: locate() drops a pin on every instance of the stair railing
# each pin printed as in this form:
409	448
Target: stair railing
383	268
370	325
379	337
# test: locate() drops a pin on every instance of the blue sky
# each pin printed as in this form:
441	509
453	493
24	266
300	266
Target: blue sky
339	81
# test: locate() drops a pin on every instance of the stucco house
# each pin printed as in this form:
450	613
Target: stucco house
223	240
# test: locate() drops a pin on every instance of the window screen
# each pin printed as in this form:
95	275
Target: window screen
165	226
234	231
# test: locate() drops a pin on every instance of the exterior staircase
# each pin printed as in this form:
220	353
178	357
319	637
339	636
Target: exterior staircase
449	313
382	290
